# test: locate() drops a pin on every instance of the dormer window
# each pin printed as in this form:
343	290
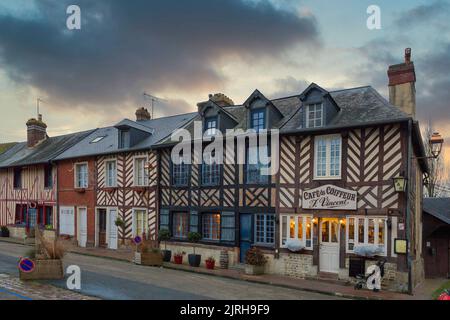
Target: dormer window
124	139
314	115
258	120
210	126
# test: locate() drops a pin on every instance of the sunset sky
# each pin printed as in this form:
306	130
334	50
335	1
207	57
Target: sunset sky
184	50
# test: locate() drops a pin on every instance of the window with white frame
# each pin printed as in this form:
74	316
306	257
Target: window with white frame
81	175
210	126
299	227
111	173
366	231
140	222
327	162
140	174
258	120
314	115
265	229
67	221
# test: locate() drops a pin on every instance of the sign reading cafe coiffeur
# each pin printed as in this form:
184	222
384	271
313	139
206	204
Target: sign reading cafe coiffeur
330	197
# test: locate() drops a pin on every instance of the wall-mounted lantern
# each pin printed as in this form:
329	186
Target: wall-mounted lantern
436	142
399	183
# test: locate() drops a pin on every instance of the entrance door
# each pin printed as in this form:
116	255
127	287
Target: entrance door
329	245
245	235
82	227
102	227
112	236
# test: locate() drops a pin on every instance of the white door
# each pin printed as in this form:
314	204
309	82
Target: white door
112	232
82	227
329	245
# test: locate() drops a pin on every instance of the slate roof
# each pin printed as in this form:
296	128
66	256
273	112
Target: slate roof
158	128
21	155
6	146
438	207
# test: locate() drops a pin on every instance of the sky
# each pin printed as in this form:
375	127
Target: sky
182	51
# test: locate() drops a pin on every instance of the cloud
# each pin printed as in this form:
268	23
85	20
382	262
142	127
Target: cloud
288	86
422	14
123	50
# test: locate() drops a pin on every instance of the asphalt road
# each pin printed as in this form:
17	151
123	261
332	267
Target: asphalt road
110	279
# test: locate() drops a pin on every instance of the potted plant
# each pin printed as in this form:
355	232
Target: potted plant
120	224
148	255
255	261
4	231
178	257
164	235
194	259
210	263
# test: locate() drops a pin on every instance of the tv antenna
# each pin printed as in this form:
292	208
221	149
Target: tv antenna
153	99
38	103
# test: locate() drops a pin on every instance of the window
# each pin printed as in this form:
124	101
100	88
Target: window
314	115
210	172
48	176
265	229
180	225
256	169
370	231
297	227
140	174
81	175
180	174
98	139
17	178
210	126
327	157
67	221
49	216
124	139
111	173
211	226
140	222
20	214
258	120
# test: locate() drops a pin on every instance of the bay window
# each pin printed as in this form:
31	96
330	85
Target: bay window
328	152
370	231
298	227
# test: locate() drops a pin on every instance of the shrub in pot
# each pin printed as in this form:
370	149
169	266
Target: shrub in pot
255	261
4	232
120	224
178	257
210	263
194	259
164	235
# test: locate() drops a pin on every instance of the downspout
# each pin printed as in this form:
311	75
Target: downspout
408	208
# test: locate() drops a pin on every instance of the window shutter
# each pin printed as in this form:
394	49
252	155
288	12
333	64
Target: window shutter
193	221
164	219
228	226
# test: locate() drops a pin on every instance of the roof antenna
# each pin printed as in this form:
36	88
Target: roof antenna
153	99
38	101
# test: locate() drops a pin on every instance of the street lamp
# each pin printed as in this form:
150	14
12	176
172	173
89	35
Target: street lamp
399	184
436	142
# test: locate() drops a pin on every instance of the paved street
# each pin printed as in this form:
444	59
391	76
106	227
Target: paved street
111	279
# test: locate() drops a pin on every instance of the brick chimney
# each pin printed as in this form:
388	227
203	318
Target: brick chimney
221	100
142	114
402	88
36	131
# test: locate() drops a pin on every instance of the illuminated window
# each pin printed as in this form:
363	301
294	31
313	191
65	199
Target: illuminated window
180	224
211	226
140	222
296	227
371	231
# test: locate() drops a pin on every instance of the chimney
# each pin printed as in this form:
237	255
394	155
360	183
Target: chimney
142	114
402	88
36	131
221	100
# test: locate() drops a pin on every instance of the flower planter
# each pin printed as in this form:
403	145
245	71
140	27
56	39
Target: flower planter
148	258
4	234
178	259
254	270
44	270
194	260
210	264
167	255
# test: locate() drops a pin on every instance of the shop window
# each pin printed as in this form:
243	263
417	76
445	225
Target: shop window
371	231
297	227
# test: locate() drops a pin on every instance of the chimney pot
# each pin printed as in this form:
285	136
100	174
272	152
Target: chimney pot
408	55
142	114
36	131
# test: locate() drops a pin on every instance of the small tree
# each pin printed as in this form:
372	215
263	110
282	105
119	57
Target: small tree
164	235
194	237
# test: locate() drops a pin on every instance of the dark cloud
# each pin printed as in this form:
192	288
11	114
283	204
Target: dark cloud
422	14
124	49
288	86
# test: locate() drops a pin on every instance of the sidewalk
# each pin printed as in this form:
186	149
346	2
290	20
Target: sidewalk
423	292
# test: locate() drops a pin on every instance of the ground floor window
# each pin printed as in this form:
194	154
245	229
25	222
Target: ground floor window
180	224
67	221
21	211
366	231
297	226
49	216
265	229
211	226
140	217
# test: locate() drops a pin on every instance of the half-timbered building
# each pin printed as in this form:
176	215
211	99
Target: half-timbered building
332	196
112	175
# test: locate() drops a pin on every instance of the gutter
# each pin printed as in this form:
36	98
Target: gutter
408	208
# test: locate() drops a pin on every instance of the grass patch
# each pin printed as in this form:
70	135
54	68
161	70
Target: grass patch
437	292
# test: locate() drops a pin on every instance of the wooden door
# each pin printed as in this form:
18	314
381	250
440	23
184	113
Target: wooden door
82	227
102	228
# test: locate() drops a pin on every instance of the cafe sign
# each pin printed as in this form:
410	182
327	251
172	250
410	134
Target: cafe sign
330	197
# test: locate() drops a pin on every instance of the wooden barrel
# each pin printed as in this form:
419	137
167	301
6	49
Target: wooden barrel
224	259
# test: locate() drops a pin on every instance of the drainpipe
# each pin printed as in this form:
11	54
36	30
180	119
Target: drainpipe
408	210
